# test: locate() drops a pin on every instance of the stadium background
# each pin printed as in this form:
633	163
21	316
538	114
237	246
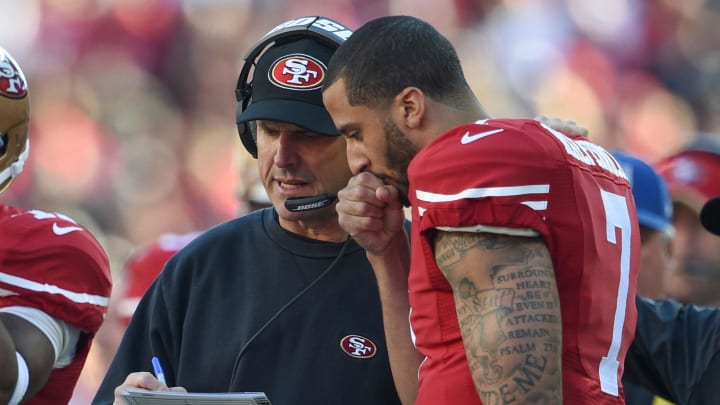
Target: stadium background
133	108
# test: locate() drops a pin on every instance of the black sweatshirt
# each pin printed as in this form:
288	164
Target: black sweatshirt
327	347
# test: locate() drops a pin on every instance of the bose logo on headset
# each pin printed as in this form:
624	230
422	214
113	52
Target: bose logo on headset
332	28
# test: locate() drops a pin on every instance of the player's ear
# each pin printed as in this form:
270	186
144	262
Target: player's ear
410	103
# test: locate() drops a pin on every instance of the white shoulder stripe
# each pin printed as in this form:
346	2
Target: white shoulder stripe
80	298
484	192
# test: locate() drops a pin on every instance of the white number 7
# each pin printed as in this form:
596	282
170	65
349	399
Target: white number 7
617	216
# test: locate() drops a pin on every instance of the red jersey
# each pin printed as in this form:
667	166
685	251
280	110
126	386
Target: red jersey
142	268
520	174
51	263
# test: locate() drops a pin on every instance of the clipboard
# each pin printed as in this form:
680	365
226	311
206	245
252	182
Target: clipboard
143	397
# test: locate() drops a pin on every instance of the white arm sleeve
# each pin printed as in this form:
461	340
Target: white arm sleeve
23	380
62	336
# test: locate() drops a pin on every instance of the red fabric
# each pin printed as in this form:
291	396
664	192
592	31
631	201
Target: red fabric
573	225
692	177
142	268
49	262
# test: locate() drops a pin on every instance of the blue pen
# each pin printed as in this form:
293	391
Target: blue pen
159	373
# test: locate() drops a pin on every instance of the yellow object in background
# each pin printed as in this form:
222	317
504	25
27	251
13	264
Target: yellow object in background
661	401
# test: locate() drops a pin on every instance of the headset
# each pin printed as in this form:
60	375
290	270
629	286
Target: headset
322	29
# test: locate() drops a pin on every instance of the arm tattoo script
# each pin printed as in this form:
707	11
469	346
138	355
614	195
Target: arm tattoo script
508	310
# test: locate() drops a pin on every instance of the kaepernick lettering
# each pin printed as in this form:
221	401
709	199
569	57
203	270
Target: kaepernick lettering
589	153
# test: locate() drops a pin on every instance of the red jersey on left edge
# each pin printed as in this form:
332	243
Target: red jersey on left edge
50	262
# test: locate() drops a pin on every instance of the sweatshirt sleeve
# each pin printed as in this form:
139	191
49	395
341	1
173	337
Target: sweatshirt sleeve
676	351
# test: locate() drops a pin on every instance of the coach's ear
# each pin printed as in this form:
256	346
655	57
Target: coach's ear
562	125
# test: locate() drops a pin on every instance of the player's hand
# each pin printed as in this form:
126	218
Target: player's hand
562	125
371	212
141	380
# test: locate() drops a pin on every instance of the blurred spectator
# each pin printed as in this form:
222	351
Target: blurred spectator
143	266
676	348
710	216
654	209
692	177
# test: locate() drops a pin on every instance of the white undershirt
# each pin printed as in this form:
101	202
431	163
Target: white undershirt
62	336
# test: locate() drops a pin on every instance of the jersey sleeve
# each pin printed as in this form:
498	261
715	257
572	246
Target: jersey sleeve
482	174
62	336
55	265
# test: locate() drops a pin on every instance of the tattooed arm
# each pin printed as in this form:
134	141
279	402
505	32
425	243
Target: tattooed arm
508	309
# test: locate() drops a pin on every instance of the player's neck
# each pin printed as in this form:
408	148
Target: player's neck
442	118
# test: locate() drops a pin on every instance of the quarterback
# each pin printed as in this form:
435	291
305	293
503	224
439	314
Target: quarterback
520	274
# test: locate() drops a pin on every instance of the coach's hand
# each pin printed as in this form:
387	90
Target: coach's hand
142	380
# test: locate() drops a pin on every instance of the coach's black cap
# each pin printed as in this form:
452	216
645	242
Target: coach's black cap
710	215
287	86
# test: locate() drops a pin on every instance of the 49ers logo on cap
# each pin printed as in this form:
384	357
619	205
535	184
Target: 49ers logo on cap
358	346
297	72
12	81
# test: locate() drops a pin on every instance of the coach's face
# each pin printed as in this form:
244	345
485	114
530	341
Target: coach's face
374	143
295	162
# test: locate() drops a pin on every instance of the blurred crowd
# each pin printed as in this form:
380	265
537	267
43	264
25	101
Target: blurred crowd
133	122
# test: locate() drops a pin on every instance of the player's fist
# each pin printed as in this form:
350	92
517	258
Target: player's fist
370	211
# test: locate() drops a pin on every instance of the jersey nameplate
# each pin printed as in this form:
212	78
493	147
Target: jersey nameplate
589	153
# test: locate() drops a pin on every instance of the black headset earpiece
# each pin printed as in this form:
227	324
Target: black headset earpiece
320	28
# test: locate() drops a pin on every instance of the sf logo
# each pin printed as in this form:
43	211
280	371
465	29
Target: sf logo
298	69
297	72
358	346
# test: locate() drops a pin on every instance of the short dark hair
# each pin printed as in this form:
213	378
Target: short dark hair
388	54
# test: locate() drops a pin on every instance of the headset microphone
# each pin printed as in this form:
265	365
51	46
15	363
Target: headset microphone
300	204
